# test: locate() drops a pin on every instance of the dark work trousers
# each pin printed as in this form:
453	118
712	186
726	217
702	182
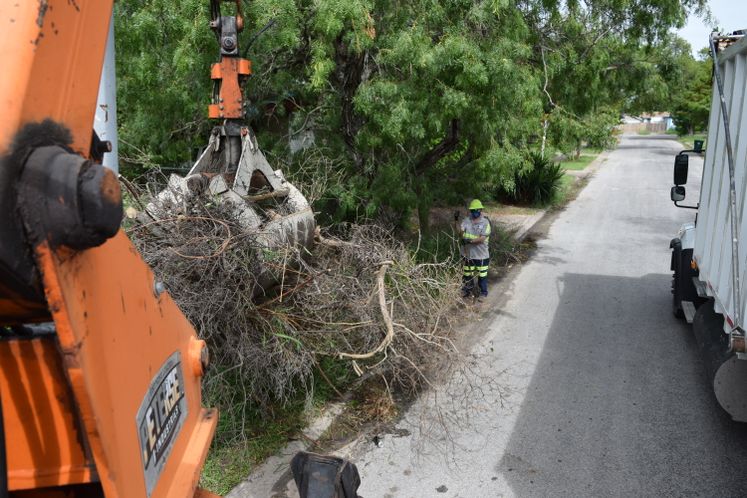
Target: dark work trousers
470	267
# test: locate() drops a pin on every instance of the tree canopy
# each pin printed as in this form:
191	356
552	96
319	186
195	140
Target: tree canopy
691	105
416	102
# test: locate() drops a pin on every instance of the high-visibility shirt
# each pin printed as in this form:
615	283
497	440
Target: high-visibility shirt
474	228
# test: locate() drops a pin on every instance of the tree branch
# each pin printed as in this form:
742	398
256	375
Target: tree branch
349	71
445	147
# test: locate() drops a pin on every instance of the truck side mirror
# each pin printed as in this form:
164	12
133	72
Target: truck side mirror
698	146
678	193
680	169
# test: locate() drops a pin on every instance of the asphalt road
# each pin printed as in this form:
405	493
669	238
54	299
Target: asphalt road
582	383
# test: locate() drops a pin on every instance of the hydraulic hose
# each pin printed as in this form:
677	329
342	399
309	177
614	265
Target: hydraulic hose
3	457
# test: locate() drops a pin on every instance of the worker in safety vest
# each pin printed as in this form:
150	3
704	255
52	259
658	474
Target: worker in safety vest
474	232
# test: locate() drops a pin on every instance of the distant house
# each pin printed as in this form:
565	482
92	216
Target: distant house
655	122
628	119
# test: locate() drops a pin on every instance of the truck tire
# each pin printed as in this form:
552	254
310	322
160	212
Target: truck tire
683	288
713	343
677	303
726	373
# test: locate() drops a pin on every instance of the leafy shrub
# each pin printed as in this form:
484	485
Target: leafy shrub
537	185
600	129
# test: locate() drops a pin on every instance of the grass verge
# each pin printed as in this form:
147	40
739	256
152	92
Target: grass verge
586	157
227	465
581	163
565	189
231	460
688	141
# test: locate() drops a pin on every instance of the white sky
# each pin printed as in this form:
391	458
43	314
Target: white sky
729	15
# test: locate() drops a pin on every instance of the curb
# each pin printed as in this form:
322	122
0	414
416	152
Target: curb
528	225
273	477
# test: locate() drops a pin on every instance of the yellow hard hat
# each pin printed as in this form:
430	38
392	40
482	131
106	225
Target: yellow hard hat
475	204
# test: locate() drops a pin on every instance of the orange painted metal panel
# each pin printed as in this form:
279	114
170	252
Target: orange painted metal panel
45	447
51	53
215	71
245	67
214	111
231	99
115	334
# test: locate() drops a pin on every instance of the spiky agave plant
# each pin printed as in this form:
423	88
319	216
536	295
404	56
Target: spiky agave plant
537	185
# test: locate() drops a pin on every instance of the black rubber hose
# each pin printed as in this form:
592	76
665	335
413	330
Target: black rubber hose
3	457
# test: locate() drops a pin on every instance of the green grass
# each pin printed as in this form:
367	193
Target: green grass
644	132
231	460
228	464
565	191
688	140
501	246
581	163
593	150
584	159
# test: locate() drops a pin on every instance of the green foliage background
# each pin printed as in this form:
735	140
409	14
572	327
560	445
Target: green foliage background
690	107
415	102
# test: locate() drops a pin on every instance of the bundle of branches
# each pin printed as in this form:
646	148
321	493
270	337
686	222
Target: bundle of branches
358	301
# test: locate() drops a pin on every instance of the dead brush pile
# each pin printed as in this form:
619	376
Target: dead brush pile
358	300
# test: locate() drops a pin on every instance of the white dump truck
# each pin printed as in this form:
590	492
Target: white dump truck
709	255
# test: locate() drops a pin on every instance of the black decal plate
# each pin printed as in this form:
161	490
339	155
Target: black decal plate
160	418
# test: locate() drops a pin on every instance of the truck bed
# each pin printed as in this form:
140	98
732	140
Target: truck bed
713	250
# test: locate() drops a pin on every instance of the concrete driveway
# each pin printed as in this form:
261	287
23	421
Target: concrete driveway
582	382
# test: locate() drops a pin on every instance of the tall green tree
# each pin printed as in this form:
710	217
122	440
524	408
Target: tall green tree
163	84
449	97
691	104
599	58
417	101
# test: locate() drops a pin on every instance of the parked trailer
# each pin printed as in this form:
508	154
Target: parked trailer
709	256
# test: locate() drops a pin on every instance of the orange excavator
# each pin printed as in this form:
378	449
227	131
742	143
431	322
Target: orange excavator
100	372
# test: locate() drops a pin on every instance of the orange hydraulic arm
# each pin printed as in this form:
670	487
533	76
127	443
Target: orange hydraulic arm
99	370
228	75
